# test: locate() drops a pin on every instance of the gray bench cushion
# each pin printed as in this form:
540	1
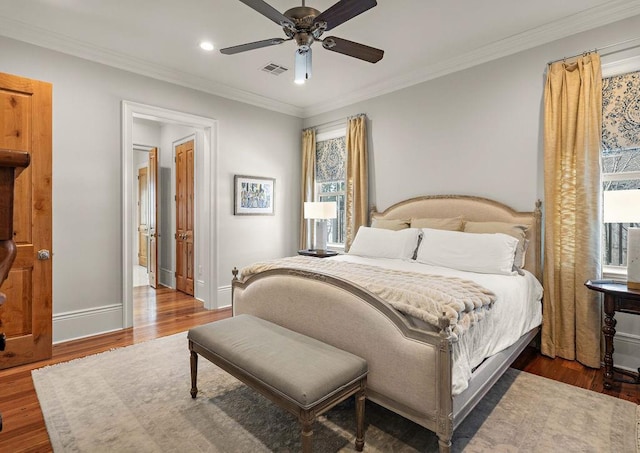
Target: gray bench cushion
300	368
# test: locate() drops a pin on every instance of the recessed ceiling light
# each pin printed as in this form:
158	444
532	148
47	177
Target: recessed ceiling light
299	81
206	45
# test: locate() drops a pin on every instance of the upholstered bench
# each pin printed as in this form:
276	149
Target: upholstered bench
298	373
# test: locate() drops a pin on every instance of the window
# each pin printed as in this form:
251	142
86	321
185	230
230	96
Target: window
621	171
331	161
620	163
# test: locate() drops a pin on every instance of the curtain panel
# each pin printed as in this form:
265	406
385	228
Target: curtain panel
572	251
357	178
308	182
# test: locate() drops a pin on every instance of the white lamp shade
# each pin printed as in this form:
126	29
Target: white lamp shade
622	206
320	210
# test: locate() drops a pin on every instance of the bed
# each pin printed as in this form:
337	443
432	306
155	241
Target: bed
415	367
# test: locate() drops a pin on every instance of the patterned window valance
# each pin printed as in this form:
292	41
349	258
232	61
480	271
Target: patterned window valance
331	158
621	112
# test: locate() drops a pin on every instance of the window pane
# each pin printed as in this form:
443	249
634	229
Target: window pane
336	227
620	162
615	243
620	172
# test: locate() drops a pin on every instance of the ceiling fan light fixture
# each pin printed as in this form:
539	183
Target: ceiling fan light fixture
206	45
302	65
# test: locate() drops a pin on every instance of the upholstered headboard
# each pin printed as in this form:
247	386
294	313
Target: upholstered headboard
476	209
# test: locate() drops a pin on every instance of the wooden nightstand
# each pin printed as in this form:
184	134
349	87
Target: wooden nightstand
317	253
617	297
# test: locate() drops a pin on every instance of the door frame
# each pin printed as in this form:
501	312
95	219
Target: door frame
209	126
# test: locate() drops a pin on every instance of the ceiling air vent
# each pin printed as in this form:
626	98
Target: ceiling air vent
274	69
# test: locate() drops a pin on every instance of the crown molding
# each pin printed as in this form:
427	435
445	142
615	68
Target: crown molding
583	21
621	67
21	31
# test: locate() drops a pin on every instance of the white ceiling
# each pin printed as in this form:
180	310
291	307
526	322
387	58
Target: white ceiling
422	39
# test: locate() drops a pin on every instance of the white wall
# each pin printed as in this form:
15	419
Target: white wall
477	132
145	133
87	185
141	160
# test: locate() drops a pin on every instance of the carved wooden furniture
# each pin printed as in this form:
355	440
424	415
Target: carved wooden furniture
300	374
617	297
327	308
11	164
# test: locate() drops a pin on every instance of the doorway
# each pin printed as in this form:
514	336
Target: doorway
145	260
205	234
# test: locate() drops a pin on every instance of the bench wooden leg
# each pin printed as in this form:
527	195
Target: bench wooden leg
306	420
194	372
360	400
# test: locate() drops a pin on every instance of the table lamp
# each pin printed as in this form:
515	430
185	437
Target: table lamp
320	211
623	206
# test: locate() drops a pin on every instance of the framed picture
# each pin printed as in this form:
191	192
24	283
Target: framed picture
253	195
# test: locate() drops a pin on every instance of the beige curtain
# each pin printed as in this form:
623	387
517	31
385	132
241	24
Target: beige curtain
572	135
357	178
308	179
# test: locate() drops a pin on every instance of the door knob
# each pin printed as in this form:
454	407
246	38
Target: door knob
44	254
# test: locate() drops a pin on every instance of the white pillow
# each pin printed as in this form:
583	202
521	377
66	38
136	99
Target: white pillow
383	243
486	253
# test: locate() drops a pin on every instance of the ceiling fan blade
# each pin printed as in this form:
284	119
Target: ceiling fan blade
343	11
253	45
353	49
269	11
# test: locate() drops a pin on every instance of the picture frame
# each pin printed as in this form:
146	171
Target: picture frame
253	195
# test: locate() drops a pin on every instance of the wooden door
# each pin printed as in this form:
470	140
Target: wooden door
184	217
26	316
143	216
153	218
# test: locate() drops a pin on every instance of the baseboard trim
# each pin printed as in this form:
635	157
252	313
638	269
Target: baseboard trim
167	278
72	325
627	351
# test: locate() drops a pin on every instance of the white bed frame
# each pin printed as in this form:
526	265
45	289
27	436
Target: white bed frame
410	370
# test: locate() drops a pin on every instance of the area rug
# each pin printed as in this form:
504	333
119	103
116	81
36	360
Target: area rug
136	399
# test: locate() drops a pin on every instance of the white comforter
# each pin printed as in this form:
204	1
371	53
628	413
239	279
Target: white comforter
517	310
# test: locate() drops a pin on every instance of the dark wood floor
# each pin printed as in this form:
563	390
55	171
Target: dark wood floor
165	312
571	372
156	314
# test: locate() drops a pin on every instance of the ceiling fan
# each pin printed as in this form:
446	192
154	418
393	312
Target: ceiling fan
306	25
